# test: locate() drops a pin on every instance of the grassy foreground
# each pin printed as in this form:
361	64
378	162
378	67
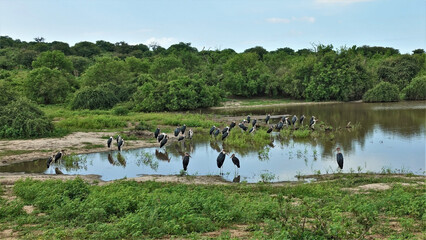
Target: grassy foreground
342	208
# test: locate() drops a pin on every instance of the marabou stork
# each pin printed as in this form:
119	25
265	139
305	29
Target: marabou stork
157	131
185	161
312	122
118	138
220	159
232	125
294	120
253	129
120	144
339	158
267	118
301	119
225	130
288	122
248	119
59	155
279	125
181	138
160	137
269	130
182	129
164	141
242	126
216	132
177	131
190	134
49	161
109	142
235	160
254	122
225	134
212	130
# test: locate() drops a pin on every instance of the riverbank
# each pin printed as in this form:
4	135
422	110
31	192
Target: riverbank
338	206
90	130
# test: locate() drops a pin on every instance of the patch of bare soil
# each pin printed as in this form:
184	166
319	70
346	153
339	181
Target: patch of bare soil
237	104
8	234
236	231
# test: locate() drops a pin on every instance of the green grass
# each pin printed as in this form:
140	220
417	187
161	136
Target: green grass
245	140
103	120
74	209
254	101
5	153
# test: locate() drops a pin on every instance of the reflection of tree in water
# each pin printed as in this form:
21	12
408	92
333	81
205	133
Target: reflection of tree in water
162	156
146	159
121	160
73	162
178	149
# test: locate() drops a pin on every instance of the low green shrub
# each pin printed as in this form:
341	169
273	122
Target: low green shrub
382	92
23	119
97	98
416	90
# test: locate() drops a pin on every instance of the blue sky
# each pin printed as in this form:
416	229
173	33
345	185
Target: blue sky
221	24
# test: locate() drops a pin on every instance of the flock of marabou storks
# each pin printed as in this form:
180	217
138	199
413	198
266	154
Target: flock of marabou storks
179	133
285	121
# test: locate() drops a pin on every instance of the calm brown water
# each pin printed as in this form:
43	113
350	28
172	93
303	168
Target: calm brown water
390	137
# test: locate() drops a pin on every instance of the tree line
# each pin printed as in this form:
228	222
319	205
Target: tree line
105	75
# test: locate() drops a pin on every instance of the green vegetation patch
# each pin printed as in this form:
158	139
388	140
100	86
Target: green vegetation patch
129	210
245	140
383	92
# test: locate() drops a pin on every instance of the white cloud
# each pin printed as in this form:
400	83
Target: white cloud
293	19
163	42
343	2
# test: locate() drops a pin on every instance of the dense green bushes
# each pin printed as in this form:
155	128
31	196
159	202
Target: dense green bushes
383	92
94	98
181	94
158	79
416	90
23	119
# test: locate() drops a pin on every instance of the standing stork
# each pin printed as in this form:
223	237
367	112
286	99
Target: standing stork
157	131
226	129
232	125
312	122
254	122
164	141
279	125
182	129
267	118
216	132
185	161
220	159
339	158
301	119
120	144
293	121
177	131
212	130
236	161
59	155
248	119
49	160
190	134
225	134
109	142
253	129
118	138
161	137
287	121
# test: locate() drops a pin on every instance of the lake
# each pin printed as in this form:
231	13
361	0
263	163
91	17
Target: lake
387	137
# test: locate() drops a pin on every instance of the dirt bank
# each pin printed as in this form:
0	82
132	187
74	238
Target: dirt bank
78	142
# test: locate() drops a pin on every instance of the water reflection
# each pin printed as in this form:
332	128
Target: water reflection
383	136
